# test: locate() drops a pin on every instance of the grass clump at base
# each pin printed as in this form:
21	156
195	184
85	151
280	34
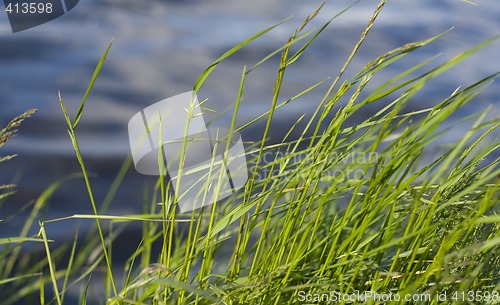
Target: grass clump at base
340	210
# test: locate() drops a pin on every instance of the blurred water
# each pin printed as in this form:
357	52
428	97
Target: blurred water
162	46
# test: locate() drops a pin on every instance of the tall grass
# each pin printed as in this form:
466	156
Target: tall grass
339	210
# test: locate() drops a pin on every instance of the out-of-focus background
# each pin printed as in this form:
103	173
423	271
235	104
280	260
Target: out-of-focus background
160	49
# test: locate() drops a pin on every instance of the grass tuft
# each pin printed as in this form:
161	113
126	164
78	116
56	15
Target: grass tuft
338	210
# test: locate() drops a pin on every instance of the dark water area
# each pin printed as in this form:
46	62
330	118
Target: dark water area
160	48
